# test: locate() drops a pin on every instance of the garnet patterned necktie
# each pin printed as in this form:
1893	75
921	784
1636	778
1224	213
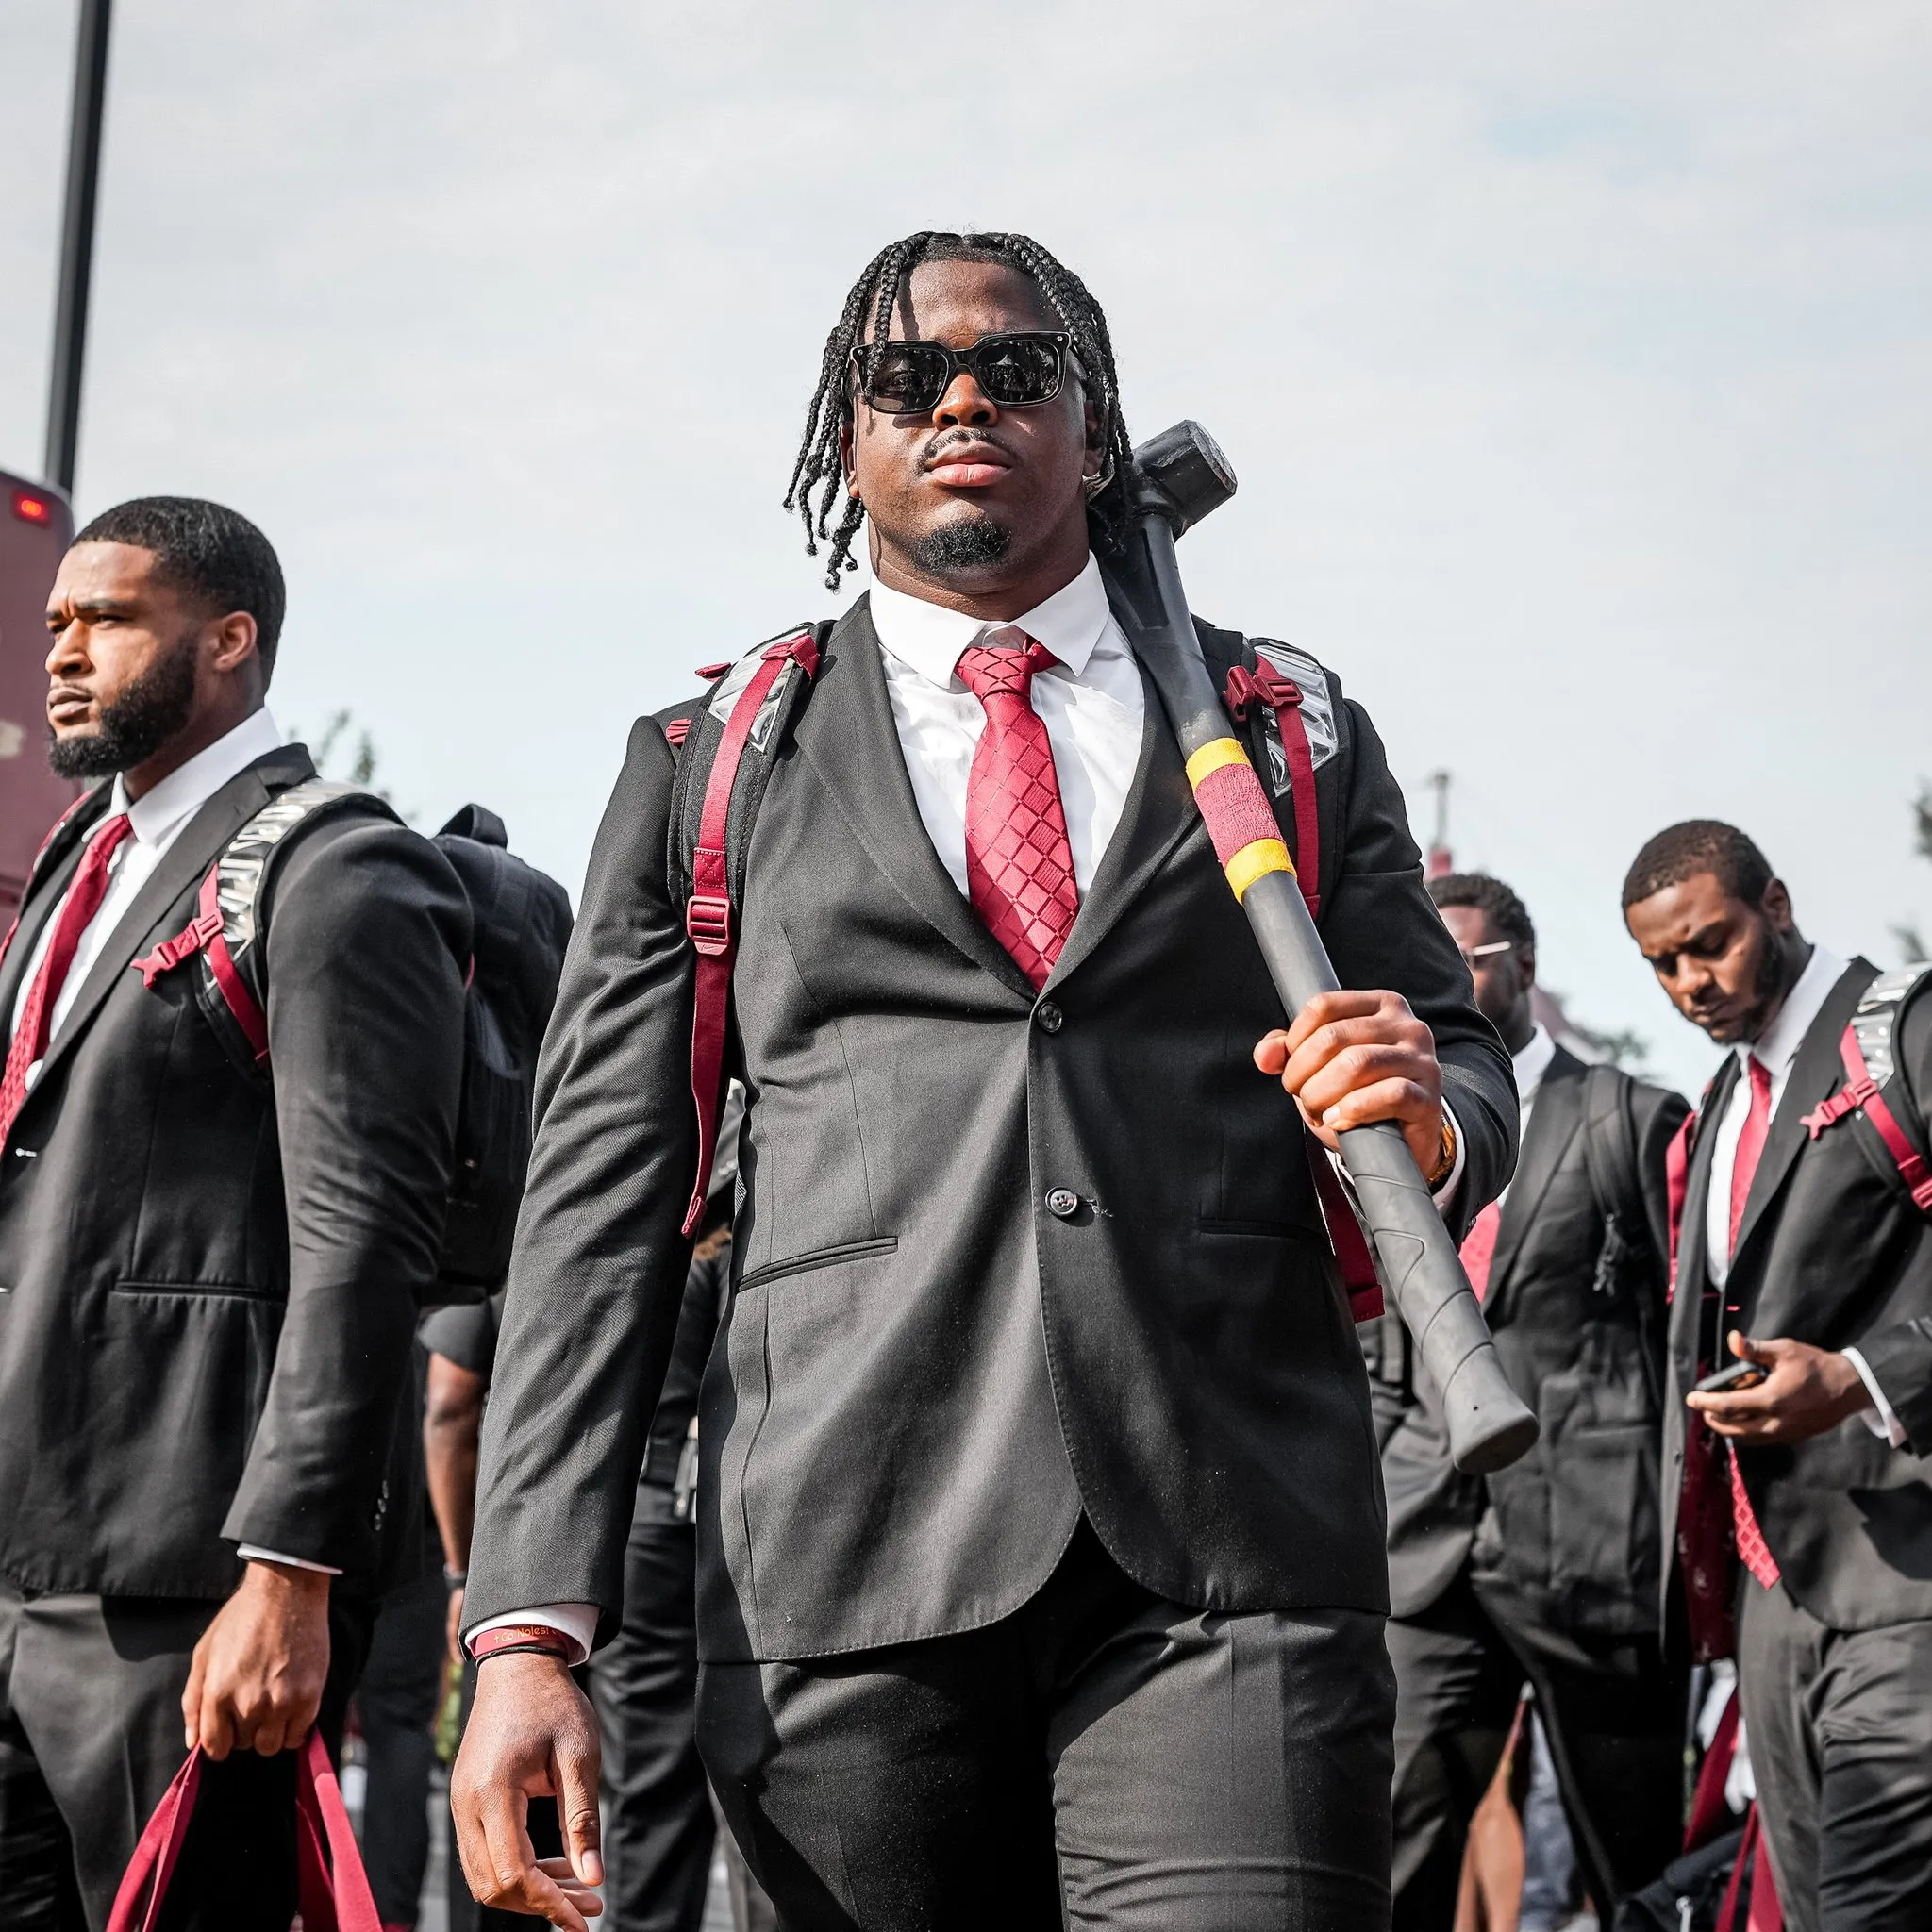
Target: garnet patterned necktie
1479	1247
84	896
1752	1549
1019	866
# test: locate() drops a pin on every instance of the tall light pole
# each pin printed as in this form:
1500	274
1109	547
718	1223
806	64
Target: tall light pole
77	242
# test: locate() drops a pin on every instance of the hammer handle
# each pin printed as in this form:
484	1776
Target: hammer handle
1489	1426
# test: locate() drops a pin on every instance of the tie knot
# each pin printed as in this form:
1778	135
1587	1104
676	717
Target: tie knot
1760	1077
108	835
1005	668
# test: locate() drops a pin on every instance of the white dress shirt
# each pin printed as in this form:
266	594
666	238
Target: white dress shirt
1775	1053
1531	1064
155	820
1091	702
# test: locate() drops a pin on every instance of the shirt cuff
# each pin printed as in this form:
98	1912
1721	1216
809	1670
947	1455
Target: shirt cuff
1445	1194
254	1553
578	1621
1879	1417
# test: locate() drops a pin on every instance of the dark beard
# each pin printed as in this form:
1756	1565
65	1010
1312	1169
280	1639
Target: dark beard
154	708
1769	991
958	549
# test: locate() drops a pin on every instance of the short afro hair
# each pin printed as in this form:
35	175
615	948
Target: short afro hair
213	553
1505	911
1698	846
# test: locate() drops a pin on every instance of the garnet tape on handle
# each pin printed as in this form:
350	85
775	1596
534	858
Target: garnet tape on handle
1247	841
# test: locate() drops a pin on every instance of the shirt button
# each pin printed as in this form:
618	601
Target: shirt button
1063	1202
1048	1017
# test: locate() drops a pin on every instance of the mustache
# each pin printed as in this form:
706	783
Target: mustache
961	439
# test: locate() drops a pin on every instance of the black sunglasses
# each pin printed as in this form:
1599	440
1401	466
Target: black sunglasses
908	379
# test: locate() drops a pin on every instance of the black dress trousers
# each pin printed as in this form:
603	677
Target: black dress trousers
1613	1710
1839	1724
1102	1759
657	1825
396	1700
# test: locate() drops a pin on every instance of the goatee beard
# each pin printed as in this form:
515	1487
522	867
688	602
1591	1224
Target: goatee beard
154	708
960	549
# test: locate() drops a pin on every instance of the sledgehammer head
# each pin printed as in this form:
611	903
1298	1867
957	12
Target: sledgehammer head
1182	475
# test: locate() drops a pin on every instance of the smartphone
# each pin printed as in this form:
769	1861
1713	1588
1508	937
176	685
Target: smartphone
1733	1381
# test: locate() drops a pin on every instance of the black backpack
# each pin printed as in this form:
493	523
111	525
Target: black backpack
522	924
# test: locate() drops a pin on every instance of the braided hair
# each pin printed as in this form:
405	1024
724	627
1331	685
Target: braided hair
871	300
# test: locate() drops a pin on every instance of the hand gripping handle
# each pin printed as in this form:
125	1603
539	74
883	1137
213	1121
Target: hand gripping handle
1489	1426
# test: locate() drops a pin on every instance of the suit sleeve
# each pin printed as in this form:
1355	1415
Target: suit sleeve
1383	930
1900	1356
598	1274
368	936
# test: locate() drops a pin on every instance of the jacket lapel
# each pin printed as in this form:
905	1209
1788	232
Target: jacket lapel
198	845
1816	1074
1157	815
1693	1240
1555	1116
47	886
848	735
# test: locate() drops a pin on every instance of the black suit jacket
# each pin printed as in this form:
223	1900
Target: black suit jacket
925	1375
1566	1537
1830	1251
208	1280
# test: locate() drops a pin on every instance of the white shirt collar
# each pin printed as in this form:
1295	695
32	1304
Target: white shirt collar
1533	1062
157	814
931	639
1782	1039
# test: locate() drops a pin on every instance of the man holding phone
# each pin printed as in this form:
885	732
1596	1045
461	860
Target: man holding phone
1797	1498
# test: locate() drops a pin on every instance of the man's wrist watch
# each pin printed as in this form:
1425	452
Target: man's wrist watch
1445	1161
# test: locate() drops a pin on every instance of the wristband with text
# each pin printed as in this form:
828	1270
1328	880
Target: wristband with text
522	1637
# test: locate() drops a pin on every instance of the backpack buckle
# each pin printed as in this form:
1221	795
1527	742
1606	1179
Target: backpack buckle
193	939
707	922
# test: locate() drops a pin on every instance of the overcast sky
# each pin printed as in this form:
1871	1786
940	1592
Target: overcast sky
1576	361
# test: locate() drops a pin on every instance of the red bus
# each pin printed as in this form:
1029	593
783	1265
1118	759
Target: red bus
35	528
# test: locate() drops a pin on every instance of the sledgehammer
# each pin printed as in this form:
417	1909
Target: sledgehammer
1177	478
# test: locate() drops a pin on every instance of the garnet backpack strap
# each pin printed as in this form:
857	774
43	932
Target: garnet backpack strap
1263	684
1677	1178
1869	1052
712	884
1360	1281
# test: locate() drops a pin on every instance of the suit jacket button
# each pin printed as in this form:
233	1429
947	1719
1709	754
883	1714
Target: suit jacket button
1048	1017
1063	1202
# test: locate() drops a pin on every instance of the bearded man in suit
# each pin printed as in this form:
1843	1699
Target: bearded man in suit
210	1259
1798	1509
